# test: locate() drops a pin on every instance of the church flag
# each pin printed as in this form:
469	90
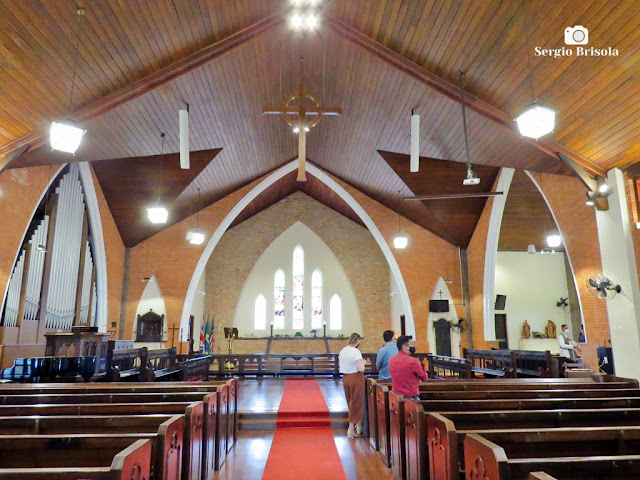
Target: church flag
207	338
212	339
201	346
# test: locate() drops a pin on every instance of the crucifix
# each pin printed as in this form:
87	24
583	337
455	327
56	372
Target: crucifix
302	111
173	330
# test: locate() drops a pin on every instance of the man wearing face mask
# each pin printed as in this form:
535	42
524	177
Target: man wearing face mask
406	371
566	344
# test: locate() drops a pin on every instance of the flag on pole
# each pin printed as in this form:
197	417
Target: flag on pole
201	345
207	341
212	339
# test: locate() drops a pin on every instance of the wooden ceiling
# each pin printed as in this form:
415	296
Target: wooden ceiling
526	219
139	62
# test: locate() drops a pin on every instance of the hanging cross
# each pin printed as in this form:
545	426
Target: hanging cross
173	330
295	109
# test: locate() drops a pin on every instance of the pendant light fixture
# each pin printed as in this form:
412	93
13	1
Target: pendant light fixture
400	240
65	135
157	212
472	178
536	120
196	236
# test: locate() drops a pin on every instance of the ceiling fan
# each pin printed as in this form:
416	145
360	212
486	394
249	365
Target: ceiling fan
601	287
562	302
460	327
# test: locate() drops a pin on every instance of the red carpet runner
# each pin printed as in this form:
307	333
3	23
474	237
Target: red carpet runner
303	446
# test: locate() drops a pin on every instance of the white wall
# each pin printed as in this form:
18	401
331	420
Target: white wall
450	316
397	307
279	255
533	283
197	310
152	300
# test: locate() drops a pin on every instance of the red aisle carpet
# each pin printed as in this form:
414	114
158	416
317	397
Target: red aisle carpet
303	445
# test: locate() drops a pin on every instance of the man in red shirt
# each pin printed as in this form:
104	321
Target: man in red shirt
406	371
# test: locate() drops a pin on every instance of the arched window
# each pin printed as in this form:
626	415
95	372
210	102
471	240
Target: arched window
335	313
316	299
260	313
298	288
278	299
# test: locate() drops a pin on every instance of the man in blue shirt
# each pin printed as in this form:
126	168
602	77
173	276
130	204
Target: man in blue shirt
384	354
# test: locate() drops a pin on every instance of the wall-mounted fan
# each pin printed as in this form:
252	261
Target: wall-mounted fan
601	287
460	327
562	302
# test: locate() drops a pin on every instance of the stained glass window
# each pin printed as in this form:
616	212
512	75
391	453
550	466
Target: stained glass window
335	313
260	313
316	299
298	288
278	299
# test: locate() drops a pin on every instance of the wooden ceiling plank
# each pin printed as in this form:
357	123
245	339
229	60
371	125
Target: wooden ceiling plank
163	76
444	87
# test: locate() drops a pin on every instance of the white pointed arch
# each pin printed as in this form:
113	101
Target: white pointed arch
342	193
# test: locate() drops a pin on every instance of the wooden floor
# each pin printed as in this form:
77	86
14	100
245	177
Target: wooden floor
247	459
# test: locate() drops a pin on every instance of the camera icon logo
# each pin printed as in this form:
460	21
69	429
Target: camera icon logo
577	35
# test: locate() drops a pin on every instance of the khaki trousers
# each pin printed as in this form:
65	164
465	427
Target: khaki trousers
354	393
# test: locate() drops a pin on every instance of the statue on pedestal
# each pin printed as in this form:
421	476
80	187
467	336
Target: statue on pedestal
526	330
550	329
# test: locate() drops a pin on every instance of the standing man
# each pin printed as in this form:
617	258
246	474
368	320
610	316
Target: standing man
406	371
566	344
384	354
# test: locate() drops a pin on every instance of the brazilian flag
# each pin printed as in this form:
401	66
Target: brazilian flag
207	338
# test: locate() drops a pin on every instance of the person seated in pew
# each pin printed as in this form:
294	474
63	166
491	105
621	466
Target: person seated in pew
384	354
406	371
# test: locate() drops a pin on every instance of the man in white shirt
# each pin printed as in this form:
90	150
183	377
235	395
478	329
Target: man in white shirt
352	369
566	344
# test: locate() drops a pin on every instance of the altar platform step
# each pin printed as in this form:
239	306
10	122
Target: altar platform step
268	420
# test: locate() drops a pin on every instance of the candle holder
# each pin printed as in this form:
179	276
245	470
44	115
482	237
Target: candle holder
271	326
324	327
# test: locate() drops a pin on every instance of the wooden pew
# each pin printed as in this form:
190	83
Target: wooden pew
134	462
533	364
195	369
442	367
192	456
540	476
370	410
89	450
37	369
445	436
217	425
160	365
494	363
588	454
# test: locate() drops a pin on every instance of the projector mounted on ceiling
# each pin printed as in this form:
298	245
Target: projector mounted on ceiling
471	179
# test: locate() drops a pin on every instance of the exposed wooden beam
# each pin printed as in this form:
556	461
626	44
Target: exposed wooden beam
589	182
451	196
448	89
163	76
12	156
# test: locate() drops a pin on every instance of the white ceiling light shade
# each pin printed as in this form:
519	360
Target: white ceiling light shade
554	240
415	143
158	214
536	121
183	121
531	249
65	135
400	241
195	236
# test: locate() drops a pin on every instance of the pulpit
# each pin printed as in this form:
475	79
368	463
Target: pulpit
79	342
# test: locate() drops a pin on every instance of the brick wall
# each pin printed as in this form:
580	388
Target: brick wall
577	223
173	261
114	249
353	245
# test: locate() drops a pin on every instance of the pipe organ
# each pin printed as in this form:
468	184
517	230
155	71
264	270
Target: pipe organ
60	287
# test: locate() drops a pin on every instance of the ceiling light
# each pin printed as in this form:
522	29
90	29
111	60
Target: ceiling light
590	203
296	129
603	188
531	249
195	237
65	135
302	3
296	21
554	240
471	179
311	21
158	214
536	121
400	241
306	129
